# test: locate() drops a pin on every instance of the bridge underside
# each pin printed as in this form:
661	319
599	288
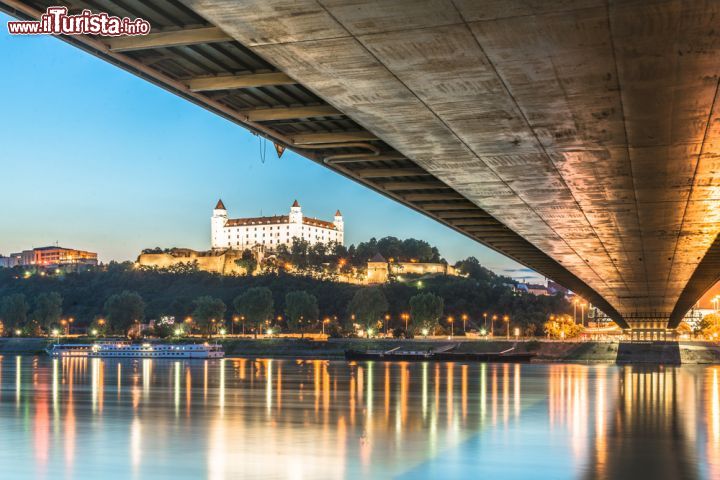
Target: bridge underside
578	138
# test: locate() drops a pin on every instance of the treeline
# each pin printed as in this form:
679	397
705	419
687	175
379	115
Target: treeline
90	296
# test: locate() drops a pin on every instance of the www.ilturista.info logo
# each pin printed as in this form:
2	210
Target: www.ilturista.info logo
56	21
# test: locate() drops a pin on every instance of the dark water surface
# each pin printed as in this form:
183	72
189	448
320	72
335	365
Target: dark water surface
238	418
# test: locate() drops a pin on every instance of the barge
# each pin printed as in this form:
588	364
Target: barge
443	354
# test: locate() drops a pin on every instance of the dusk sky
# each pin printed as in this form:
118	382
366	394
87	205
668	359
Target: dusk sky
97	159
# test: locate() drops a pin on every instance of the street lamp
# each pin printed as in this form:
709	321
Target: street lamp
575	302
452	326
492	325
56	334
506	319
464	319
325	320
485	320
406	317
387	322
582	310
425	332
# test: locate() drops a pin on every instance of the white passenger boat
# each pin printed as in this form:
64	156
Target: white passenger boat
121	349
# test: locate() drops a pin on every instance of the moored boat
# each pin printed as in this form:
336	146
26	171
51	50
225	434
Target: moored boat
122	349
442	354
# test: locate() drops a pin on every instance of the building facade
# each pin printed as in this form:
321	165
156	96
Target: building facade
48	257
242	233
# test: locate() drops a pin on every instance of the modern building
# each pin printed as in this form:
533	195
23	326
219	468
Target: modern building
9	262
242	233
50	257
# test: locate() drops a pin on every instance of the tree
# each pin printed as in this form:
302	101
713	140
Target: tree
301	308
256	305
124	309
426	310
709	326
208	314
13	311
562	326
48	309
368	305
247	261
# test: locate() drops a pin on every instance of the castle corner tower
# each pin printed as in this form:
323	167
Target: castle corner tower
217	224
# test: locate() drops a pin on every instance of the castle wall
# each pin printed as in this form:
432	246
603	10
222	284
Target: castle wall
223	264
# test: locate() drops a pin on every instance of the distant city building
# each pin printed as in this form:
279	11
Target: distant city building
555	288
49	257
242	233
535	289
9	262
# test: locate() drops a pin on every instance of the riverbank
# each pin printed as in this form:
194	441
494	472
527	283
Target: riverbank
545	351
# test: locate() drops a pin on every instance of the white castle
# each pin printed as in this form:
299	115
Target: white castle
242	233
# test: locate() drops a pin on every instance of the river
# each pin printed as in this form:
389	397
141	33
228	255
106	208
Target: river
305	419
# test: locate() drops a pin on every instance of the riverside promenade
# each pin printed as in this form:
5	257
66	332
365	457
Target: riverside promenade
683	352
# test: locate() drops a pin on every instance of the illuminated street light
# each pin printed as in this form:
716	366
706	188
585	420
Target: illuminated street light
452	326
425	332
464	319
406	317
325	320
506	319
492	325
94	332
18	333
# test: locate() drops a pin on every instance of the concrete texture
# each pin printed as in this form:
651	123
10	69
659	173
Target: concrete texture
589	128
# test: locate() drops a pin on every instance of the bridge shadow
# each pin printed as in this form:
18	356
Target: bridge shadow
650	352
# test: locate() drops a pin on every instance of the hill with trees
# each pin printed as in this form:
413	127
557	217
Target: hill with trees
119	294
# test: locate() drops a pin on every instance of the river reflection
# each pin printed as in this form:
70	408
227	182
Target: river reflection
242	418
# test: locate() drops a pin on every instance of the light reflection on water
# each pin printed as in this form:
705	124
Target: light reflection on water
243	418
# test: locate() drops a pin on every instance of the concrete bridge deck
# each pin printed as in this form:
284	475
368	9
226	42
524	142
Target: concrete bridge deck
578	138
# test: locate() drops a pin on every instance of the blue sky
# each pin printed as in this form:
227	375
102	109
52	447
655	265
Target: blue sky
95	158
